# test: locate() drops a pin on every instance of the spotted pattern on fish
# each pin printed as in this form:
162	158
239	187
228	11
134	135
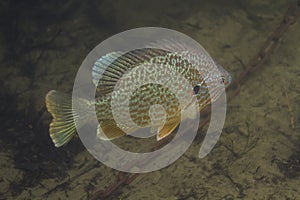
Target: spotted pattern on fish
160	69
152	94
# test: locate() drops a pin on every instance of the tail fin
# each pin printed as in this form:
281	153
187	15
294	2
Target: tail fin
62	127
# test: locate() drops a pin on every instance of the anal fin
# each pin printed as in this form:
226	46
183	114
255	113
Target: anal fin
168	128
108	130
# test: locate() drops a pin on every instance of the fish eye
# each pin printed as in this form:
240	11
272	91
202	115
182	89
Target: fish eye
196	89
223	80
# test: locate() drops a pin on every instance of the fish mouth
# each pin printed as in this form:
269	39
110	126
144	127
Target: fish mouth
229	78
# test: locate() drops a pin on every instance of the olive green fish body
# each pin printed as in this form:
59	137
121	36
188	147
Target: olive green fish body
129	84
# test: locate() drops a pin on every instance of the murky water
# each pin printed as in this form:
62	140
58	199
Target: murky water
42	47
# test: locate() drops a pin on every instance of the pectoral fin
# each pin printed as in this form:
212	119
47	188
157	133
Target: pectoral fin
108	130
168	128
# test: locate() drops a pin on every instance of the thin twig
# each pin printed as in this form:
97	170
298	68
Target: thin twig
292	116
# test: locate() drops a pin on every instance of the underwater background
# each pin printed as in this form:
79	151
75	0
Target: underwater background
43	43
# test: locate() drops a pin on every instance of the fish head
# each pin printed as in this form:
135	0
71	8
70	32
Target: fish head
217	81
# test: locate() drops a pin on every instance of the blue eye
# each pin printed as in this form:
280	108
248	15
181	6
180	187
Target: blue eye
196	89
223	80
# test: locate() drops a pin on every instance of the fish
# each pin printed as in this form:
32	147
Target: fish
115	66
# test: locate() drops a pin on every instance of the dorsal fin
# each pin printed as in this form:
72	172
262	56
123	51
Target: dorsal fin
171	45
110	68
